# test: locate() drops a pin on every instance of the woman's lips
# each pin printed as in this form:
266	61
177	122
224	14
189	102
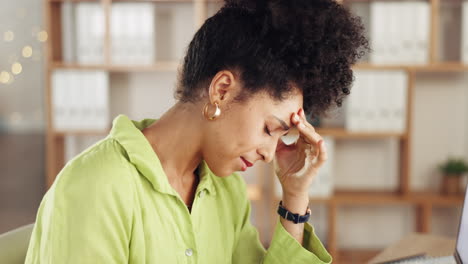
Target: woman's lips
248	164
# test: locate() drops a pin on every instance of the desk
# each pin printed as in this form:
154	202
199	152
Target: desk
416	244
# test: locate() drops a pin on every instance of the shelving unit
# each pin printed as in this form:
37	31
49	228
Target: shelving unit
422	202
54	62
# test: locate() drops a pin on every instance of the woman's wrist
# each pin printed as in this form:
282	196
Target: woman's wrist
296	203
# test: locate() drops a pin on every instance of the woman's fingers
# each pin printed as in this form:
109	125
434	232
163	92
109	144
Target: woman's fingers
323	155
309	135
306	130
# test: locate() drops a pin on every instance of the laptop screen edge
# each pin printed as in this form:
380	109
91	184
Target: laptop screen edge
457	254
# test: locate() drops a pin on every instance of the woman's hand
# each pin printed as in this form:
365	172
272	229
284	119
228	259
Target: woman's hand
297	164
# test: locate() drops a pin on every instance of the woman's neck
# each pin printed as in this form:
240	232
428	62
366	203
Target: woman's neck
176	138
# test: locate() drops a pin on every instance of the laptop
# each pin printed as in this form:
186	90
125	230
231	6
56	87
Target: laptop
460	255
461	251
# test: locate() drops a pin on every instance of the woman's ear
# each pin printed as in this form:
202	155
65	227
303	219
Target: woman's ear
224	87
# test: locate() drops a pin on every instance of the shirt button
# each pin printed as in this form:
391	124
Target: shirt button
202	193
188	252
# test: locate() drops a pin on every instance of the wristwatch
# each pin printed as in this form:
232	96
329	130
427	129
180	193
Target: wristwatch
295	218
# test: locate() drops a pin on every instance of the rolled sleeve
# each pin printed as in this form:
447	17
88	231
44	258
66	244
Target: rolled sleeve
285	248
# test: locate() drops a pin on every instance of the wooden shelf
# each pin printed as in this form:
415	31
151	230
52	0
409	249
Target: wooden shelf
388	198
172	66
363	198
158	66
394	198
63	133
345	134
348	256
370	198
437	199
433	67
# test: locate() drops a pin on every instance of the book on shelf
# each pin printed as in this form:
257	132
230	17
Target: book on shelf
82	33
80	100
175	22
377	102
133	33
183	29
68	32
399	32
135	28
89	30
322	185
464	45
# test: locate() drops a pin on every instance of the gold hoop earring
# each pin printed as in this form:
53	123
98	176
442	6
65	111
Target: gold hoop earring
216	113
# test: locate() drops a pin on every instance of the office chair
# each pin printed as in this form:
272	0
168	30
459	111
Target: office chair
14	245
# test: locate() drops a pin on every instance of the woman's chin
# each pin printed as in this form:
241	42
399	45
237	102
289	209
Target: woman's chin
222	172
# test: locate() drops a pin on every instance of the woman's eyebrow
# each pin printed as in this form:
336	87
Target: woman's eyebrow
283	124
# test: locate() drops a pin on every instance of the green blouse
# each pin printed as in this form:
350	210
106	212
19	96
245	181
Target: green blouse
113	204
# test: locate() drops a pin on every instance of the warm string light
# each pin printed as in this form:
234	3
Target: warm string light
27	51
16	68
5	77
42	36
8	36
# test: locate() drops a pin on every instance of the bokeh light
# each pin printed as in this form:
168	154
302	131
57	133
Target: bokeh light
42	36
16	68
27	51
5	77
8	36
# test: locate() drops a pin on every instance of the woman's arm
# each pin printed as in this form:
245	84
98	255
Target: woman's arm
284	246
298	205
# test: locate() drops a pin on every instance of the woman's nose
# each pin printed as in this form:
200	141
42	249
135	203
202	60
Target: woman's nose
268	152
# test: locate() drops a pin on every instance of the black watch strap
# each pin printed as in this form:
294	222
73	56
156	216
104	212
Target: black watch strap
295	218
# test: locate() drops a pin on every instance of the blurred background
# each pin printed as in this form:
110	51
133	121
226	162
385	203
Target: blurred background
398	146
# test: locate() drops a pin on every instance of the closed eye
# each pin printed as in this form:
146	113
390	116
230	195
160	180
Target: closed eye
269	133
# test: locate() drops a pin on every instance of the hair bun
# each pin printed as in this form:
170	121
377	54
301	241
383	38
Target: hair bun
281	15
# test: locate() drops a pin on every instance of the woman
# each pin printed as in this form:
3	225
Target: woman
167	190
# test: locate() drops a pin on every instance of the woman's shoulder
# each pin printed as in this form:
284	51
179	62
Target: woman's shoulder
104	165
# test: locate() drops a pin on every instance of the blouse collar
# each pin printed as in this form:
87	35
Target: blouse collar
140	153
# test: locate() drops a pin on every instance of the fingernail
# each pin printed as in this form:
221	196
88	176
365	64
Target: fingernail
301	125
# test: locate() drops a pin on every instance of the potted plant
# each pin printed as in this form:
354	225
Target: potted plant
452	172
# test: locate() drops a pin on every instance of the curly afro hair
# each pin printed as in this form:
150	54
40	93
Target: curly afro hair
277	46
